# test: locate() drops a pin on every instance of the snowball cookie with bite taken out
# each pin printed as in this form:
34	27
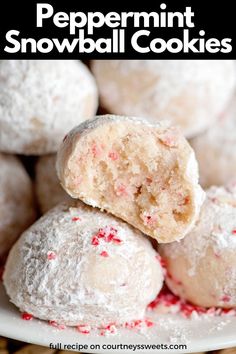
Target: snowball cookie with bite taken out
145	174
40	100
79	266
48	189
216	149
202	267
17	210
188	93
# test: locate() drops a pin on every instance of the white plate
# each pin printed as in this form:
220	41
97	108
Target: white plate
199	334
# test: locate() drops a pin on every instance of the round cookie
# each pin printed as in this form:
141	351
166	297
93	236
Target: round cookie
79	266
40	100
202	267
216	149
17	210
188	93
145	174
48	189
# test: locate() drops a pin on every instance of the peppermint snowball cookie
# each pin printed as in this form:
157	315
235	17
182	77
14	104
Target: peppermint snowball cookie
188	93
40	100
216	149
79	266
17	210
48	189
144	174
202	267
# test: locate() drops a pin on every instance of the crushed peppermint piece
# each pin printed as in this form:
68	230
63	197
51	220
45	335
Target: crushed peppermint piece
51	255
96	150
121	190
139	324
26	316
76	218
176	281
225	298
149	323
95	241
167	299
104	254
113	155
169	139
107	234
84	329
56	325
162	263
109	329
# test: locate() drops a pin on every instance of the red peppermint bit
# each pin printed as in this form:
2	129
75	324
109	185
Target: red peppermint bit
95	241
56	325
26	316
234	232
139	324
104	254
187	309
161	260
76	218
108	234
176	281
113	155
51	255
116	240
169	140
165	297
186	200
84	329
228	311
96	150
225	298
65	137
133	324
149	323
109	329
121	190
211	311
150	219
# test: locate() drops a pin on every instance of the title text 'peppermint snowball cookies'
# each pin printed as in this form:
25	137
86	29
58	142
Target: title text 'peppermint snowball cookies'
48	189
216	149
202	267
40	100
188	93
16	201
79	266
145	174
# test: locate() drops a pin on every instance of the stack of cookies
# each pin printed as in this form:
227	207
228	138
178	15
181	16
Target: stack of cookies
127	187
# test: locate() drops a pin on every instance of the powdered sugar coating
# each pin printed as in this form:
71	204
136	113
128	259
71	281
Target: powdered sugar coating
189	93
202	267
40	100
48	190
79	286
157	142
17	210
216	149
